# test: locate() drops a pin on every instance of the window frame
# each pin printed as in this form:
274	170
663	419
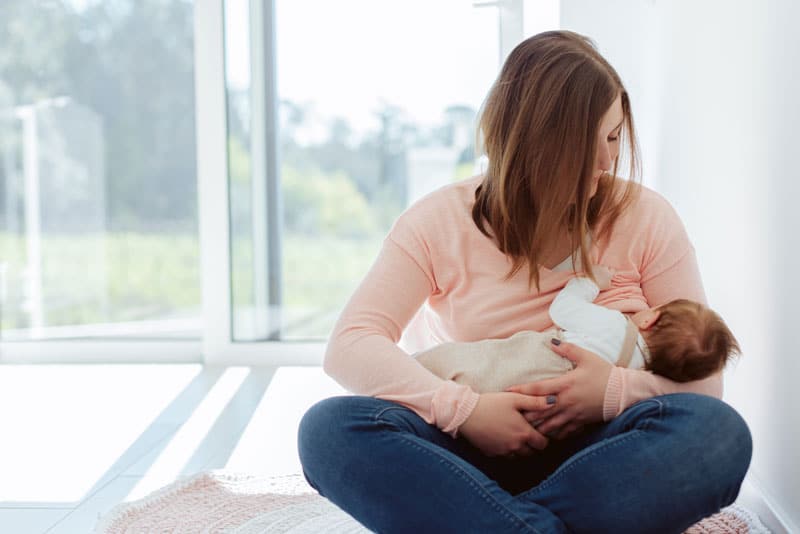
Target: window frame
217	346
213	191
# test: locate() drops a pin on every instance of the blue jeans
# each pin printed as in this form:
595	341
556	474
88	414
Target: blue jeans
660	466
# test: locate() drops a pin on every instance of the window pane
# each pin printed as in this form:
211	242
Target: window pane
376	107
98	217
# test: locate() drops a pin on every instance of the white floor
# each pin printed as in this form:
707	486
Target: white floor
75	440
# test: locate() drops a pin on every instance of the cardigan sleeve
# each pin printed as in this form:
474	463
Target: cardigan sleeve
669	271
363	355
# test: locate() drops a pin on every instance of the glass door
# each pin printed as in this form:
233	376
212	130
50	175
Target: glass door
338	116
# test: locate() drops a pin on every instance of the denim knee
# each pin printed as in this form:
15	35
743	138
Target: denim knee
723	438
318	429
724	424
320	423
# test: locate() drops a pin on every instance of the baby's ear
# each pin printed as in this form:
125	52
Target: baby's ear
649	319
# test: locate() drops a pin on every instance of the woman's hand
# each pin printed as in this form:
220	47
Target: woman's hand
497	426
579	393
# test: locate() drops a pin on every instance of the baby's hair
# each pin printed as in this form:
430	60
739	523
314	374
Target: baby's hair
688	342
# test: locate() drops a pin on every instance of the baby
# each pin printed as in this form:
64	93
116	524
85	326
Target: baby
681	340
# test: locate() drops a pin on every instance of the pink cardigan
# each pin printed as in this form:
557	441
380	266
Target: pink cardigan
438	275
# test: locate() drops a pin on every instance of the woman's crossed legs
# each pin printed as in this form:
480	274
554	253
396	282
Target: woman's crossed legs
660	466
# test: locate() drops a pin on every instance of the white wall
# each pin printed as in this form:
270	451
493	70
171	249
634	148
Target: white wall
716	96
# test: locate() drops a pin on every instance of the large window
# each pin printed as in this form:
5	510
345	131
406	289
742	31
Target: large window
373	105
267	145
98	188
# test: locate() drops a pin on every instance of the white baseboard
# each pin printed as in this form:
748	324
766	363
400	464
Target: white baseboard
754	497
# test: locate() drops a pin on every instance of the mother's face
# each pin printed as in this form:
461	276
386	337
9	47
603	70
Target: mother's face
607	148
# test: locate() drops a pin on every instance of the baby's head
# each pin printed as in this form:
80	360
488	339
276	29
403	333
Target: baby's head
687	341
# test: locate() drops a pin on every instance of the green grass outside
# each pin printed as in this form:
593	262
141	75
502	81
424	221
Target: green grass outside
127	276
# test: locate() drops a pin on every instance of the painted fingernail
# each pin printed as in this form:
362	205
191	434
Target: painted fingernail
551	399
555	341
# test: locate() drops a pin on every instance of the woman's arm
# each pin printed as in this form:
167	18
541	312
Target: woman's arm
628	386
595	390
363	356
362	353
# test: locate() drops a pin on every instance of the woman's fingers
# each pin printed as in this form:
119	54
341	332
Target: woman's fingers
524	450
533	418
543	388
577	395
552	426
536	441
537	418
535	404
553	386
577	355
497	426
531	440
569	430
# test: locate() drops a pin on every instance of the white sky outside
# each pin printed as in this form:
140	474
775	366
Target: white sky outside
347	57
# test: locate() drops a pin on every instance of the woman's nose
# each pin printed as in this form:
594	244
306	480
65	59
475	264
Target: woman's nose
604	157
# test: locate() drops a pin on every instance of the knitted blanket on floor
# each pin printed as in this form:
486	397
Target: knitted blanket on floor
220	501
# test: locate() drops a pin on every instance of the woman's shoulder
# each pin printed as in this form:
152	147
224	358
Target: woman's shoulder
433	228
649	224
458	193
448	206
647	207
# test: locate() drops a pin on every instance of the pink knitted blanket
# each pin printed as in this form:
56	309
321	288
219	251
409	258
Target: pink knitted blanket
220	501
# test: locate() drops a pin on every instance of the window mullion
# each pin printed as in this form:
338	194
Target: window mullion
212	172
266	213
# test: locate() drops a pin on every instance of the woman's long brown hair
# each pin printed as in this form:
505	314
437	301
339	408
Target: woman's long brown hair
539	127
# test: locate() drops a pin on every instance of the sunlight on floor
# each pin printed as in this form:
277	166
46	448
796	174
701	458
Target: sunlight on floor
191	434
64	426
70	429
79	439
269	444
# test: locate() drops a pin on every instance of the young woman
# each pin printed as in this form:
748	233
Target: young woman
599	449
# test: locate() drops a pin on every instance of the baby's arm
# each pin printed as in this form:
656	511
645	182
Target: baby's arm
573	308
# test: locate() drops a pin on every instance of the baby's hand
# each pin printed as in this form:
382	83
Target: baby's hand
603	276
